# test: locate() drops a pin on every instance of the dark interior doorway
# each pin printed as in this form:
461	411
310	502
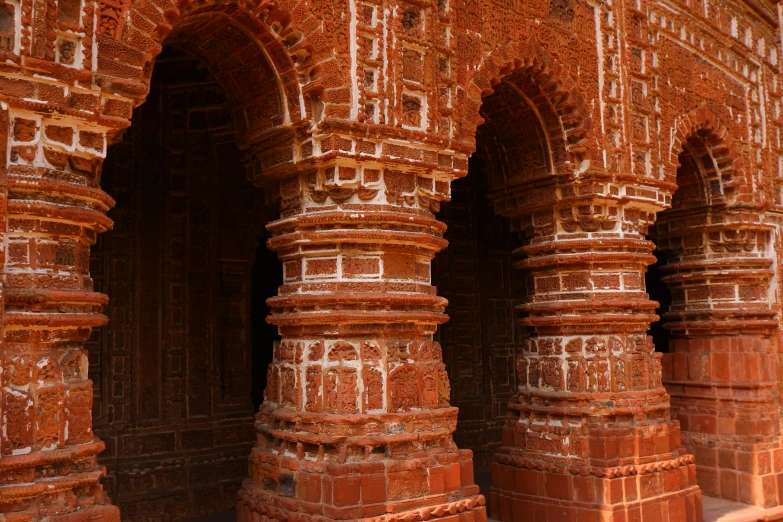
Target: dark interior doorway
266	277
658	291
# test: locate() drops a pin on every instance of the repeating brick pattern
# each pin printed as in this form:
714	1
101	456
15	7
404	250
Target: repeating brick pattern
604	128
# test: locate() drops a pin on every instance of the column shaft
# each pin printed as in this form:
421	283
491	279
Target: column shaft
356	421
55	208
721	369
589	434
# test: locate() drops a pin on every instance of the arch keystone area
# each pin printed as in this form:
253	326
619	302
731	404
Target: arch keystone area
558	128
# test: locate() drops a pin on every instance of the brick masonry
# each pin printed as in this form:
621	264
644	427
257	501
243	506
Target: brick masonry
605	129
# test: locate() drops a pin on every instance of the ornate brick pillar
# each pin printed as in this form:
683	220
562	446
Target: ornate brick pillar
589	436
721	372
356	421
55	208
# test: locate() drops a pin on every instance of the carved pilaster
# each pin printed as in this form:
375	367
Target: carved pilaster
721	369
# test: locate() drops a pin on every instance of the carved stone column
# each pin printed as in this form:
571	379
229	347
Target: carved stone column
589	436
356	421
55	208
721	372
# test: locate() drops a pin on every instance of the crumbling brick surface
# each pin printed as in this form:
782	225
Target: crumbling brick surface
605	129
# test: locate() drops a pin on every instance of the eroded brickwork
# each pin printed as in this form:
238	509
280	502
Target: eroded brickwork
356	116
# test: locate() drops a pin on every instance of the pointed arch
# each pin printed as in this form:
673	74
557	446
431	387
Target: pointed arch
702	134
289	36
551	88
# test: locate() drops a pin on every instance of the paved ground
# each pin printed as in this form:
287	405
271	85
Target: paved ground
719	510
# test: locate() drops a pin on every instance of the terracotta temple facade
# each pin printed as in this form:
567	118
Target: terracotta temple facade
323	260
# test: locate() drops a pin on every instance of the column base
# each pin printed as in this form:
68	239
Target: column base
358	497
723	394
60	485
384	467
532	495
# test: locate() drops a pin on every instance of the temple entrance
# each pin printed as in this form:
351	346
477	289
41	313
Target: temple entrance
483	339
187	273
480	342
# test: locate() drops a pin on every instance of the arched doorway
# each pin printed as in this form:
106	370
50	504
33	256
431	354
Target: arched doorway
481	340
484	339
589	396
187	273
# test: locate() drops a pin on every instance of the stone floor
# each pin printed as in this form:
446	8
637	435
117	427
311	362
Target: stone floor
719	510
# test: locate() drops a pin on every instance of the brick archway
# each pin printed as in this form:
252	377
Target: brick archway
703	124
187	343
586	315
554	89
290	39
298	65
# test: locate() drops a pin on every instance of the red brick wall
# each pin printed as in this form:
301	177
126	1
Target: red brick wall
172	370
481	340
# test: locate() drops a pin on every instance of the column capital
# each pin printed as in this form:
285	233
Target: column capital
556	207
323	147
